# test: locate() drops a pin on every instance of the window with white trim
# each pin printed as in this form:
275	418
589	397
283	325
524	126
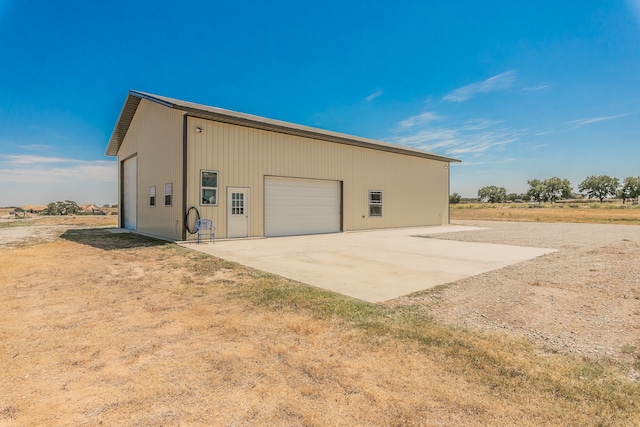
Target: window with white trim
209	187
375	203
152	195
168	193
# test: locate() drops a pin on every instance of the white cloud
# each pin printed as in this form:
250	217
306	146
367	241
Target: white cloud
582	122
483	142
419	119
34	160
37	179
536	88
534	147
498	82
432	132
478	124
36	147
374	95
506	160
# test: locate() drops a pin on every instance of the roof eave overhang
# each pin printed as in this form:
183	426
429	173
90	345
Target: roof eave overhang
256	122
122	125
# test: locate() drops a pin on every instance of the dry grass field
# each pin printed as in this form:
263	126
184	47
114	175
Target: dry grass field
98	328
583	213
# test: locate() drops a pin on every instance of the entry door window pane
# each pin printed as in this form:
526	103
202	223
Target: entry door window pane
237	203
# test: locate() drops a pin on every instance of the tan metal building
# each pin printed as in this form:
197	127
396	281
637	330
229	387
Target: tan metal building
258	177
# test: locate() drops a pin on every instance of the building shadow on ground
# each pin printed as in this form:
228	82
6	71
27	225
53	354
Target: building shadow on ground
105	239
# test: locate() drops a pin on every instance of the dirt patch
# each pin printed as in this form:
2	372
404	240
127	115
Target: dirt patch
20	232
583	299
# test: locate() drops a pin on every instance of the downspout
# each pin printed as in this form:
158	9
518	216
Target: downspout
448	193
184	176
120	194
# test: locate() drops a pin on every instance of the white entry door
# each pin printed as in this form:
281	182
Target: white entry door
237	212
130	192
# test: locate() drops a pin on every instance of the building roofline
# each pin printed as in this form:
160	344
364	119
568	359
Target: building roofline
248	120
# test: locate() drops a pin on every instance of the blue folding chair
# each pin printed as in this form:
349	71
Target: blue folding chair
204	227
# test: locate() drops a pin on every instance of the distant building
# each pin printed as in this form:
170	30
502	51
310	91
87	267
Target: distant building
34	209
91	209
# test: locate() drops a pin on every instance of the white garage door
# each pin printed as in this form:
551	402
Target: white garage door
301	206
130	192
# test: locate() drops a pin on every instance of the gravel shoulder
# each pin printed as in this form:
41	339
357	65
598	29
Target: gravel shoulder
583	299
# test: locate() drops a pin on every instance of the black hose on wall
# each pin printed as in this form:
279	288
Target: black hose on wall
187	216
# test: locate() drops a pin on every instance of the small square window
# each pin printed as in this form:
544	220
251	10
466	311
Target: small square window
209	187
152	195
375	203
168	193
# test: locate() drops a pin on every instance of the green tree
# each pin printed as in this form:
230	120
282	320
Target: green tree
549	190
68	207
71	207
630	188
455	198
51	209
556	188
536	190
492	194
600	187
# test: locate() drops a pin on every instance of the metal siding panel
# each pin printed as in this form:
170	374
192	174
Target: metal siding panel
155	136
415	189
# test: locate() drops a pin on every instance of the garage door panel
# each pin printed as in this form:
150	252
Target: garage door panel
301	206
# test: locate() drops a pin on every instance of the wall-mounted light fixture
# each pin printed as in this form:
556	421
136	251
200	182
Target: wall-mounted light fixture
198	129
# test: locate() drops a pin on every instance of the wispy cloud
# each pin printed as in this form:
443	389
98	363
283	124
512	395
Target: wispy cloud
533	147
36	147
374	95
506	160
583	122
536	88
498	82
419	119
430	131
26	179
49	170
22	159
483	142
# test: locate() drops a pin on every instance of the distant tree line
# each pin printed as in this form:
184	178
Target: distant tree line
553	189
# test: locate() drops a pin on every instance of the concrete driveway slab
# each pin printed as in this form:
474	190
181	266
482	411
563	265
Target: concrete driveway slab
373	266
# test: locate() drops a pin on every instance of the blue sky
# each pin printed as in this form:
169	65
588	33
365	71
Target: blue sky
516	90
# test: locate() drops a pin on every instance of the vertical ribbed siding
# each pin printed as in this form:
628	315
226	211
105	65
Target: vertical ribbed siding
155	135
415	190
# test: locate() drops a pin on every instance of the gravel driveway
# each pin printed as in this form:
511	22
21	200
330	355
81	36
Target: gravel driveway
583	299
15	236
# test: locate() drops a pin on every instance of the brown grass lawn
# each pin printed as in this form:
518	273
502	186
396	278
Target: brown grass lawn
591	213
114	329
